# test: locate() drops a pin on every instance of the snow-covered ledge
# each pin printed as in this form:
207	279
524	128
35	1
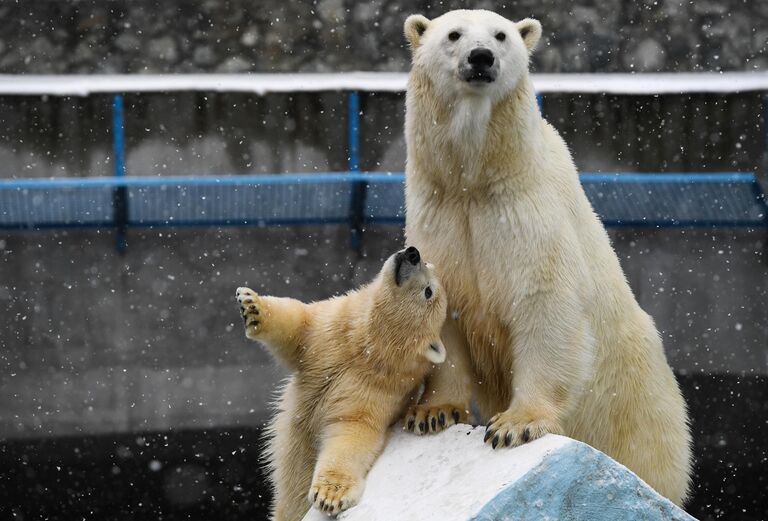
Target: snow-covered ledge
453	476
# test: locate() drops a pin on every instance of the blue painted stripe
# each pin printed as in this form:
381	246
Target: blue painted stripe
578	482
342	177
383	221
715	177
172	223
230	180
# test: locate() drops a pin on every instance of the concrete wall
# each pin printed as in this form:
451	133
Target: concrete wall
152	340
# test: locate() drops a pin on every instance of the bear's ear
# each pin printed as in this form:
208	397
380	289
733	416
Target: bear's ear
435	352
530	32
414	28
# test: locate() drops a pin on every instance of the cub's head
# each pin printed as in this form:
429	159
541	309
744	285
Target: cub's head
472	52
410	305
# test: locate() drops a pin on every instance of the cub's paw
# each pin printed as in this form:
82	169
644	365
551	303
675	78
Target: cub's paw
424	419
251	310
333	492
511	428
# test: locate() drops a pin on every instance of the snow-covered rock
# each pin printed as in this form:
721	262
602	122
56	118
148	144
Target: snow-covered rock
454	476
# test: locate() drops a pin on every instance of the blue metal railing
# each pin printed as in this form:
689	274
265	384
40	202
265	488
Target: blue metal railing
646	200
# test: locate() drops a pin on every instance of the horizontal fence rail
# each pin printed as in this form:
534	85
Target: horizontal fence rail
639	200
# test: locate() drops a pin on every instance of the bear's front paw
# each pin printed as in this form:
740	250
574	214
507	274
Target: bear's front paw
511	428
334	492
250	305
423	419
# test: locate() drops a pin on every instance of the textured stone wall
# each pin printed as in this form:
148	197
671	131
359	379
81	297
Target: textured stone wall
153	36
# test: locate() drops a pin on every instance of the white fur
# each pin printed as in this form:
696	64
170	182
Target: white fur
548	336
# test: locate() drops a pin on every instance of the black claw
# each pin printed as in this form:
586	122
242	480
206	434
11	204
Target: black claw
322	504
253	323
488	425
315	498
442	419
526	435
508	439
488	434
456	416
411	423
422	427
495	441
434	423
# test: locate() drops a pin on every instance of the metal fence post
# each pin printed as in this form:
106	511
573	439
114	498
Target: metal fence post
359	186
120	193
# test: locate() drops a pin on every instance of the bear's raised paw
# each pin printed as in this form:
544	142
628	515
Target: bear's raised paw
333	493
250	309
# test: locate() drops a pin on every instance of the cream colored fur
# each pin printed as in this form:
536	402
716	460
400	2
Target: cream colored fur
356	362
544	331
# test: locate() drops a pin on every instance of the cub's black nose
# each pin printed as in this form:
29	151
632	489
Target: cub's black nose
481	57
412	255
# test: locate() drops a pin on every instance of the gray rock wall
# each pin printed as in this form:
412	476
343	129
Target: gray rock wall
151	36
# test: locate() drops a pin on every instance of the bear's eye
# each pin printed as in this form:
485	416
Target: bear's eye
428	293
501	36
454	35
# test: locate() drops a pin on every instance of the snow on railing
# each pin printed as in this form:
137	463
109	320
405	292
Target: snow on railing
266	83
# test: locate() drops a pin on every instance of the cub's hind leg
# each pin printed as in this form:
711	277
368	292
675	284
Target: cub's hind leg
292	457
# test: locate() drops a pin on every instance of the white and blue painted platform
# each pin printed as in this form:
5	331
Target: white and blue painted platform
453	476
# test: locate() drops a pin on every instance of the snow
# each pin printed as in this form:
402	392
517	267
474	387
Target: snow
264	83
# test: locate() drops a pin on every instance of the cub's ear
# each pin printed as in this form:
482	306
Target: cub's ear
530	32
435	352
414	28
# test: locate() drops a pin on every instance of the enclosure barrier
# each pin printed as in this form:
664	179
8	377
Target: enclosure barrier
353	198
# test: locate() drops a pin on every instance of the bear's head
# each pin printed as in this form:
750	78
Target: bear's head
410	305
472	52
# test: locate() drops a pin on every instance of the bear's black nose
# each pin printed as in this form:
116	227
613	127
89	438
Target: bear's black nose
412	255
481	57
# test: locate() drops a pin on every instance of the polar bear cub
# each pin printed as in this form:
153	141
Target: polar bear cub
545	333
357	361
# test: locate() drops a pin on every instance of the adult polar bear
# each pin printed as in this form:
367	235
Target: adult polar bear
544	328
